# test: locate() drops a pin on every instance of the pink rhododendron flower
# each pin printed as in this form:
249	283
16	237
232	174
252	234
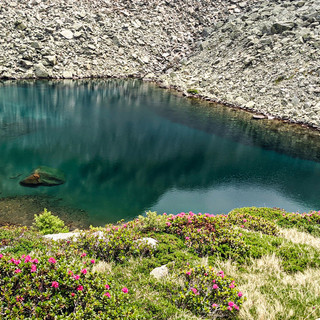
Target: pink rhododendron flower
232	285
107	294
33	268
164	214
35	261
229	308
52	260
92	261
83	254
242	226
215	286
80	288
77	277
72	294
168	224
187	238
236	307
84	271
188	273
55	284
125	290
19	298
70	272
214	305
240	294
27	259
230	303
107	286
1	256
15	261
17	271
244	220
194	290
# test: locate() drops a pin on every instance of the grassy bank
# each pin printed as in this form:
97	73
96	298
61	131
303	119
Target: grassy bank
254	263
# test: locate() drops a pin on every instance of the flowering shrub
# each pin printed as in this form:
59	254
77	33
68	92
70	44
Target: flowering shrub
308	222
208	293
152	222
58	288
207	234
252	222
114	243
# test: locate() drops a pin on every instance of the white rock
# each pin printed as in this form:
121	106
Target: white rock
67	34
160	272
62	236
152	242
67	74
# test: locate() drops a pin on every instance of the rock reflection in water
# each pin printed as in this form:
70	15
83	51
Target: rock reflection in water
125	144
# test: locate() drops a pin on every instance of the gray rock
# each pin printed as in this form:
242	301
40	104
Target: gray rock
160	272
50	60
26	64
41	71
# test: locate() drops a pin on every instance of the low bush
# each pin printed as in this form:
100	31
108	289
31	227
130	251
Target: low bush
249	221
114	243
47	223
59	288
207	234
208	293
307	222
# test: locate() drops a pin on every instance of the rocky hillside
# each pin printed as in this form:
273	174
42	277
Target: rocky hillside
262	55
267	60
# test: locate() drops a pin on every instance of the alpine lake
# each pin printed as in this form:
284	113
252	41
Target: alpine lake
126	147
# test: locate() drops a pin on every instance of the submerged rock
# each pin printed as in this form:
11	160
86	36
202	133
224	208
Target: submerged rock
44	176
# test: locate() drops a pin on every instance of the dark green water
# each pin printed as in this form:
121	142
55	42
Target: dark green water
127	147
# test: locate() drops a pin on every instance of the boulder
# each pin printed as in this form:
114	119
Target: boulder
149	241
160	272
41	71
44	176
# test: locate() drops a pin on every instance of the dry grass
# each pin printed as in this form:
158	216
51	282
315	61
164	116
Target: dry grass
298	237
268	289
102	267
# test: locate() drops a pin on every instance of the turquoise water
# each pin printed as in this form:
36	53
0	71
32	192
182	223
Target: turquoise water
127	147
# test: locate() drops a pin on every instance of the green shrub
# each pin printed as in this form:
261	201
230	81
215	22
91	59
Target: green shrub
47	223
58	287
207	234
193	91
151	222
306	222
114	243
208	293
249	221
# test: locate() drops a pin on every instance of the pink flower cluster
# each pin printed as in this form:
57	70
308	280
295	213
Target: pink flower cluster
232	305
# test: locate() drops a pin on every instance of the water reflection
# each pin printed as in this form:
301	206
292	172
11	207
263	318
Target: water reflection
127	146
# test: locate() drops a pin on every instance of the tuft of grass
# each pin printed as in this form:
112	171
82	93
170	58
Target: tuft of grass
192	91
